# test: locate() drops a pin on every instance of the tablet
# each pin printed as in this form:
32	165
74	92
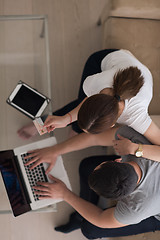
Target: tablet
28	100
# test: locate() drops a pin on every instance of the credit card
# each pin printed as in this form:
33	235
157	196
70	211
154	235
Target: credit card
39	126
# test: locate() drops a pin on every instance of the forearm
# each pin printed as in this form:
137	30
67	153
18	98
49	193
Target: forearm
85	140
72	116
151	152
75	143
86	209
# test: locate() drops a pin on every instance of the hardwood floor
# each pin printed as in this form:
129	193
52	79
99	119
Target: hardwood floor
73	36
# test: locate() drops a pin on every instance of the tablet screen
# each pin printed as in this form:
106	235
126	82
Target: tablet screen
28	100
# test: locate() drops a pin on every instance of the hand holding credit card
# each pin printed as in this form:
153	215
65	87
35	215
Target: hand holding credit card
40	126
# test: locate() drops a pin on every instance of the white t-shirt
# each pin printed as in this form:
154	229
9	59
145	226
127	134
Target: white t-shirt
135	113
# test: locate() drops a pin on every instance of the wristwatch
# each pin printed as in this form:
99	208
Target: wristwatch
139	151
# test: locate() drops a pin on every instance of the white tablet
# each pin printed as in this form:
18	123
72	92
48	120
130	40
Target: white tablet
28	100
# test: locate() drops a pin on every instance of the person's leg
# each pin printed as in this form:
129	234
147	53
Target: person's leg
86	167
90	231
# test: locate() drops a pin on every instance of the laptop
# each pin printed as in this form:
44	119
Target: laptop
19	179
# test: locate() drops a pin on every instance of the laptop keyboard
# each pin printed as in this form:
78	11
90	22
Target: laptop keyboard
35	175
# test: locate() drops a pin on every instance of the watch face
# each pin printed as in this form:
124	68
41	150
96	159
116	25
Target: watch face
138	154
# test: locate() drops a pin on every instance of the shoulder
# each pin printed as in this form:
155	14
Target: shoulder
136	207
135	114
130	210
132	135
95	83
120	59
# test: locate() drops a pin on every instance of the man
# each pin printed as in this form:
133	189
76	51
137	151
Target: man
134	183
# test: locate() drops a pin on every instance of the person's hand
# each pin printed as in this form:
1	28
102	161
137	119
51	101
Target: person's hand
118	160
55	190
39	156
53	122
124	146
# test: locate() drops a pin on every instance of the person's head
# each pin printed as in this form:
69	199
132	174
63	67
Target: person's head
113	179
100	111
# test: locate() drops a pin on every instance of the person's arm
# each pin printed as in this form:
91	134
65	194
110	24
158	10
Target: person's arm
78	142
153	134
124	146
93	214
53	122
74	112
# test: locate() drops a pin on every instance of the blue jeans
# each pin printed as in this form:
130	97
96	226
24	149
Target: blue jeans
90	231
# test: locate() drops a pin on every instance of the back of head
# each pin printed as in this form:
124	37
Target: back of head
113	180
127	82
100	111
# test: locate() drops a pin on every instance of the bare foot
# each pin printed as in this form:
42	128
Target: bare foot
27	131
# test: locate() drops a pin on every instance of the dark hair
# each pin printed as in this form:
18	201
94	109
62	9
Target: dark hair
100	111
113	180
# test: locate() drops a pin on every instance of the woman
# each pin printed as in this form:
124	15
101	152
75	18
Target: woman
115	87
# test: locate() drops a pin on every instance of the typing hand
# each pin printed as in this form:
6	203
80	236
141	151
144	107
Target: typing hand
55	190
42	155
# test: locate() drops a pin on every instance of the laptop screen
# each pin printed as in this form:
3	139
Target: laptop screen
13	183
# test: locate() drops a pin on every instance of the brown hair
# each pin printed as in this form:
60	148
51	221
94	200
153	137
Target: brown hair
127	82
100	111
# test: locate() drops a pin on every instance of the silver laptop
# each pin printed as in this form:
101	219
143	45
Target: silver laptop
19	179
